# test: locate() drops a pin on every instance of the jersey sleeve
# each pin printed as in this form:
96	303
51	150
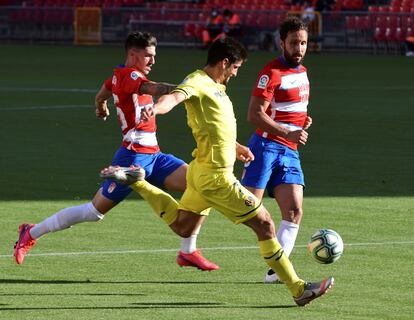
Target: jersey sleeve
266	83
187	87
132	82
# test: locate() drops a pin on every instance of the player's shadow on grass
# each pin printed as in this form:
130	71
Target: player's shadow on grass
157	305
31	294
87	281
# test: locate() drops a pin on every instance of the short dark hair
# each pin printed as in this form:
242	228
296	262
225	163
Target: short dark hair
291	24
140	40
226	47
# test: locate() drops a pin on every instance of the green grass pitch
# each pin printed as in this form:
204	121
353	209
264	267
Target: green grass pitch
359	176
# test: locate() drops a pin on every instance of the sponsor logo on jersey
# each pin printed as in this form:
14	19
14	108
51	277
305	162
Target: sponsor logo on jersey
134	75
263	81
111	187
114	80
304	92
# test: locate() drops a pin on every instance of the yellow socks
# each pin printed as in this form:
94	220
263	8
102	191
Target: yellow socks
274	256
165	206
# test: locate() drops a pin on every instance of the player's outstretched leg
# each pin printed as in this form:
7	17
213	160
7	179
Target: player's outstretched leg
163	204
123	175
314	290
24	243
195	259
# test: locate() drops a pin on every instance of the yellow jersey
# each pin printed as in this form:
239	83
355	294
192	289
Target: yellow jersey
210	116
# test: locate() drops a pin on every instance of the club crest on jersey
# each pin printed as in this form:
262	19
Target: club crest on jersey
111	187
249	201
134	75
263	81
220	94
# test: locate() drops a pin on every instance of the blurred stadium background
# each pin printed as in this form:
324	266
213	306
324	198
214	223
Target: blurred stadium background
377	26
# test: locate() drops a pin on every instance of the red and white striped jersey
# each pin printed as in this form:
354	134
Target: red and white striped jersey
137	135
287	90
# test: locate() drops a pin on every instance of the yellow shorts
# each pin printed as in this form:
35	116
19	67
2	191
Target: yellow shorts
219	189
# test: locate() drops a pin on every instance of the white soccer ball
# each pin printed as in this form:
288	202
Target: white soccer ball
326	246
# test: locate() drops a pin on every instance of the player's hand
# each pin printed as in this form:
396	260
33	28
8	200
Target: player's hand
244	154
147	113
298	136
308	123
102	112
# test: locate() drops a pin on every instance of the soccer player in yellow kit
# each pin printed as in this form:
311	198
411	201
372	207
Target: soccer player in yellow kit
210	178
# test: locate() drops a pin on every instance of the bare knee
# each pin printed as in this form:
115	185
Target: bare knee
186	223
293	215
267	228
101	203
262	225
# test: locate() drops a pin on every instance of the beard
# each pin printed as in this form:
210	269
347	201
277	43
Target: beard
291	61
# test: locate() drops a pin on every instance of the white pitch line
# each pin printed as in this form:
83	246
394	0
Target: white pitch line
112	252
88	106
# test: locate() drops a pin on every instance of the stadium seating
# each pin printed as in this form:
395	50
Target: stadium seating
382	25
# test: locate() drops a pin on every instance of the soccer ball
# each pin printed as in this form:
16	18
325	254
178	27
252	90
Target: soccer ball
326	246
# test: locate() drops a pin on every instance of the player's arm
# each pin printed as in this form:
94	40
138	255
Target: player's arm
164	104
257	116
243	153
156	89
308	123
101	102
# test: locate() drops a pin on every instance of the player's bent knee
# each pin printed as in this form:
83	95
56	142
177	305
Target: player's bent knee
92	213
294	215
267	229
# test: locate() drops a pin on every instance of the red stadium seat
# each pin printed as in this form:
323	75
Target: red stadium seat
78	3
362	22
383	9
350	22
379	34
373	9
393	21
357	4
49	3
400	35
254	19
379	39
381	21
390	35
192	30
189	30
394	8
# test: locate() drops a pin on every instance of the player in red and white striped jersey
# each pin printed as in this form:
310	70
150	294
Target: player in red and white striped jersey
278	108
124	86
132	92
